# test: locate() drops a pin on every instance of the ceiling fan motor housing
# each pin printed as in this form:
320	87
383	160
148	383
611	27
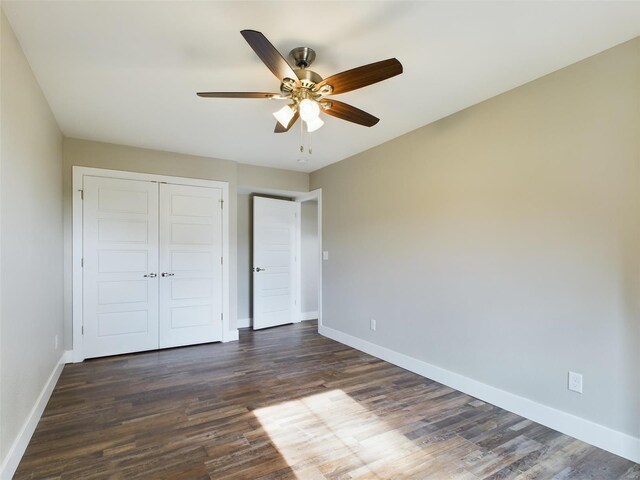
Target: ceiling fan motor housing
308	78
302	57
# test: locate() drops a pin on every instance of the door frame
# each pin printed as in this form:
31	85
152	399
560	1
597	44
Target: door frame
312	195
78	174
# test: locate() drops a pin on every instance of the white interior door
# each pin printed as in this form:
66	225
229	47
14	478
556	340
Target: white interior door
120	257
274	262
190	265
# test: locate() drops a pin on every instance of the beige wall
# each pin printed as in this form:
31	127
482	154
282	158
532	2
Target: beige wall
309	256
30	243
245	254
503	242
254	177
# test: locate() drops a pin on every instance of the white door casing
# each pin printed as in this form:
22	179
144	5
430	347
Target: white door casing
120	239
274	262
317	196
190	265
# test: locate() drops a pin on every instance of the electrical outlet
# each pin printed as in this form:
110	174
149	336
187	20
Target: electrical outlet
373	324
575	382
325	255
55	343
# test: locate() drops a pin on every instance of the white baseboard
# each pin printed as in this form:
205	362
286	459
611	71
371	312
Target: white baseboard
230	336
244	322
309	315
12	460
593	433
67	356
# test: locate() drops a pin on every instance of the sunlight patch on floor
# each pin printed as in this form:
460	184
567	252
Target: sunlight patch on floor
329	433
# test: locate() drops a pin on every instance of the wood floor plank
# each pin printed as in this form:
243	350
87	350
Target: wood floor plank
287	403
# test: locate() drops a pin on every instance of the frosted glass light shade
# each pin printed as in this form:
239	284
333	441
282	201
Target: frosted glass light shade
309	110
314	124
284	115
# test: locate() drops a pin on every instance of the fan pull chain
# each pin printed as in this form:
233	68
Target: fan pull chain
302	140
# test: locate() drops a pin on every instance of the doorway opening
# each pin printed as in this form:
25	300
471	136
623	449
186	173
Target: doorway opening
310	253
279	257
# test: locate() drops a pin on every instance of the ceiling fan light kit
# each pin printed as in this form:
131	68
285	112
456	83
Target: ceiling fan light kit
285	114
309	109
307	90
314	124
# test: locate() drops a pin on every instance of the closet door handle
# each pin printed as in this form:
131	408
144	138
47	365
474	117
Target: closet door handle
167	274
151	275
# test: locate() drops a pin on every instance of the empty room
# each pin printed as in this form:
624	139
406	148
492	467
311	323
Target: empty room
319	240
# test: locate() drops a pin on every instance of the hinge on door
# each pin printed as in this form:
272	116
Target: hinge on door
82	328
221	316
221	260
81	194
82	262
221	203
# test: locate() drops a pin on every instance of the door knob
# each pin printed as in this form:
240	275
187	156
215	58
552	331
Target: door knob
167	274
151	275
258	269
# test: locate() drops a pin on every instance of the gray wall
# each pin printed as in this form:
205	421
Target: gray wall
30	242
503	242
309	256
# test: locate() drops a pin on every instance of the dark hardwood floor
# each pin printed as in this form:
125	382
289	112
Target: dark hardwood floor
287	403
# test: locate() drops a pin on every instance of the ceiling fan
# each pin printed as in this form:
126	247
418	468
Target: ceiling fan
307	90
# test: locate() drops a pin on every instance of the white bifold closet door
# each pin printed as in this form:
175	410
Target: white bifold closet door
152	273
190	264
120	265
274	262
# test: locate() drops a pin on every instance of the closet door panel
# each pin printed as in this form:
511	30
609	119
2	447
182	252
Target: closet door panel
120	256
190	265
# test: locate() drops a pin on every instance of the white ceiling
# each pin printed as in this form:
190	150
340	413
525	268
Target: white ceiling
127	72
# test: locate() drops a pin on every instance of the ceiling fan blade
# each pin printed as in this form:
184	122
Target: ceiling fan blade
280	129
363	76
238	95
350	114
269	55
